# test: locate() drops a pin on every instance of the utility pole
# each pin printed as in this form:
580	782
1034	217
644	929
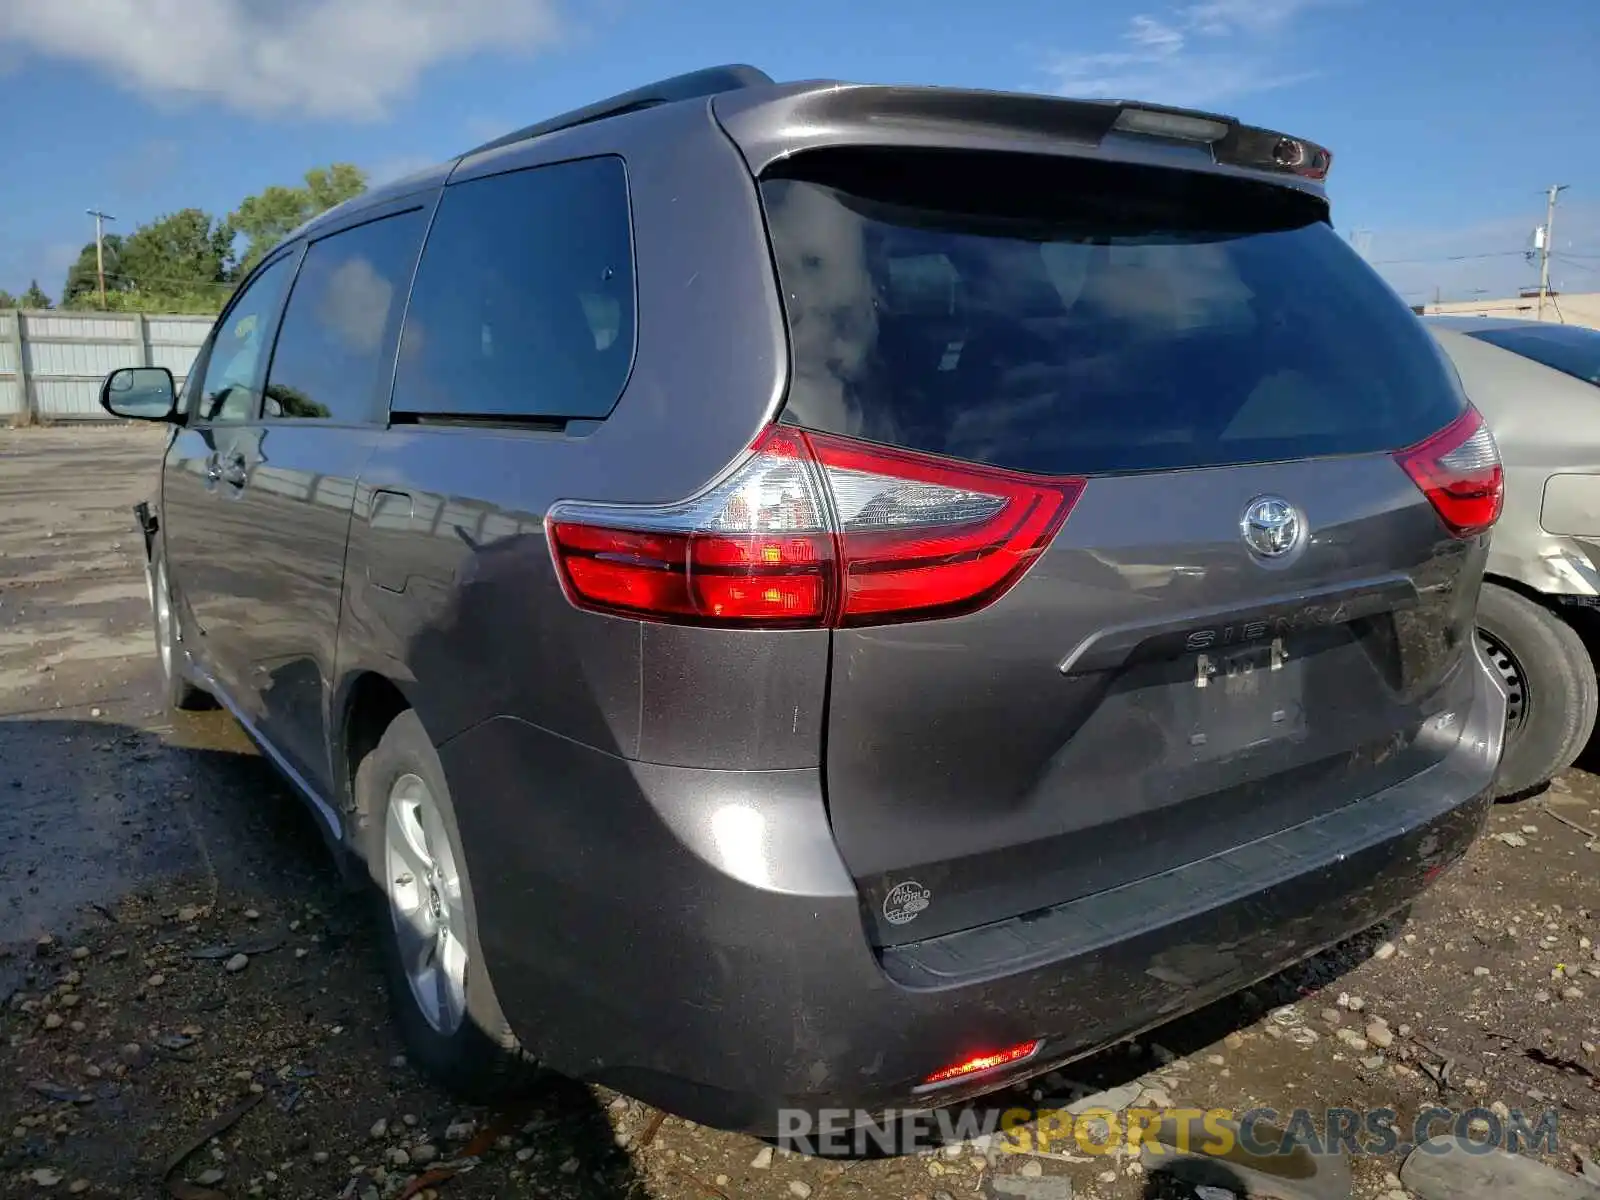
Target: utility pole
1546	241
99	250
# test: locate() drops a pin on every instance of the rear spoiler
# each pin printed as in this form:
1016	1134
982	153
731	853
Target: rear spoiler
770	124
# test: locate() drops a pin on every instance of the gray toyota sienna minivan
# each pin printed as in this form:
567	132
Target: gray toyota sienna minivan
817	595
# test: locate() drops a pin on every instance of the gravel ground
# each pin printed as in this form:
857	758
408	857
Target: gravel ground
178	955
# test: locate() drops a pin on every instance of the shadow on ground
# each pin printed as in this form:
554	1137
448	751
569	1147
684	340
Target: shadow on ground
94	810
133	865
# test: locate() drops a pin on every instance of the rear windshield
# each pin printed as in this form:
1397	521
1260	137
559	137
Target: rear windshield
1565	348
1084	317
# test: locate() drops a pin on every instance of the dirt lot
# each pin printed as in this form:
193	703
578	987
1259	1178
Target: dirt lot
140	852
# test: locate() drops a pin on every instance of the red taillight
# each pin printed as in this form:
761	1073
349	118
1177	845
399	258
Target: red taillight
1458	470
923	536
694	575
979	1063
814	530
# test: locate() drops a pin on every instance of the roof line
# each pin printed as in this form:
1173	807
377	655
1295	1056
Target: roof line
707	82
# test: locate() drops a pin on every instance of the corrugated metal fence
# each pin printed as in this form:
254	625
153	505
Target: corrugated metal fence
52	363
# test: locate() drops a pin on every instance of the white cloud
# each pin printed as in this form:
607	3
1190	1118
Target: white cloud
1195	54
1251	16
1157	37
317	58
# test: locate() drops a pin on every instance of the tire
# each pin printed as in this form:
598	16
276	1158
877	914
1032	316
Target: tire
477	1056
1551	680
176	688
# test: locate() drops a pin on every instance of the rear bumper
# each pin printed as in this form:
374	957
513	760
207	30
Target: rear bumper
692	938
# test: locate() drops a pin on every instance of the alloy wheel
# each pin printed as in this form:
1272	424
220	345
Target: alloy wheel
424	891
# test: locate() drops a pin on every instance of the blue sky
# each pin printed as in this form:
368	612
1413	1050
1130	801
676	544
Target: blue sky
1447	117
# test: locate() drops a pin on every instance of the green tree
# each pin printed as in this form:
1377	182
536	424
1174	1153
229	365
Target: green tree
180	262
334	184
184	261
180	251
268	217
199	301
7	300
81	277
34	297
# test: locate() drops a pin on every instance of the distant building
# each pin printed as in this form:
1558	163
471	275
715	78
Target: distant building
1571	308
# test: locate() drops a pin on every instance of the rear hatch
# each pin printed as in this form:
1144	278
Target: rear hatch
1249	608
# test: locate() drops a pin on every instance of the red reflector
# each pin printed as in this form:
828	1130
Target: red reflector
979	1063
1458	470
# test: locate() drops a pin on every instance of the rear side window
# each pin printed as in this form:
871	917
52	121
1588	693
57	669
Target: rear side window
1566	348
1078	317
524	299
334	359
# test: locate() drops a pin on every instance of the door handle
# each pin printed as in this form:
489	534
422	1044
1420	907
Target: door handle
234	471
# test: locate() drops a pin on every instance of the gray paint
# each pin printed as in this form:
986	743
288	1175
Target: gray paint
1022	782
1547	425
753	986
1571	505
771	124
680	838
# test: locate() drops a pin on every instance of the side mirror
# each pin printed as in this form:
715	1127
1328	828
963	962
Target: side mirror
140	393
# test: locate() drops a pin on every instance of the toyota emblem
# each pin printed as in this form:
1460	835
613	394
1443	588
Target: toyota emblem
1271	526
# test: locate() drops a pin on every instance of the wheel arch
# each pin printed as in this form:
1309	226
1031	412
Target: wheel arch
1524	589
1578	612
369	701
1539	643
148	519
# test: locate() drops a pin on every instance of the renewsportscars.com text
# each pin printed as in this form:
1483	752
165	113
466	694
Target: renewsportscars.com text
1261	1132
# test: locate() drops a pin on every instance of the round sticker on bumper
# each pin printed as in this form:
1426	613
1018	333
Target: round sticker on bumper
905	901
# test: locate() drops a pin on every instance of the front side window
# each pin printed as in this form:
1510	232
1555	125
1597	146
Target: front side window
335	354
524	300
191	383
230	389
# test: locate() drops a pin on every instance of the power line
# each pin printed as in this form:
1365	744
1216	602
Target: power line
1389	262
141	280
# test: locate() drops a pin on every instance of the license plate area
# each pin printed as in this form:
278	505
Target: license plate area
1241	700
